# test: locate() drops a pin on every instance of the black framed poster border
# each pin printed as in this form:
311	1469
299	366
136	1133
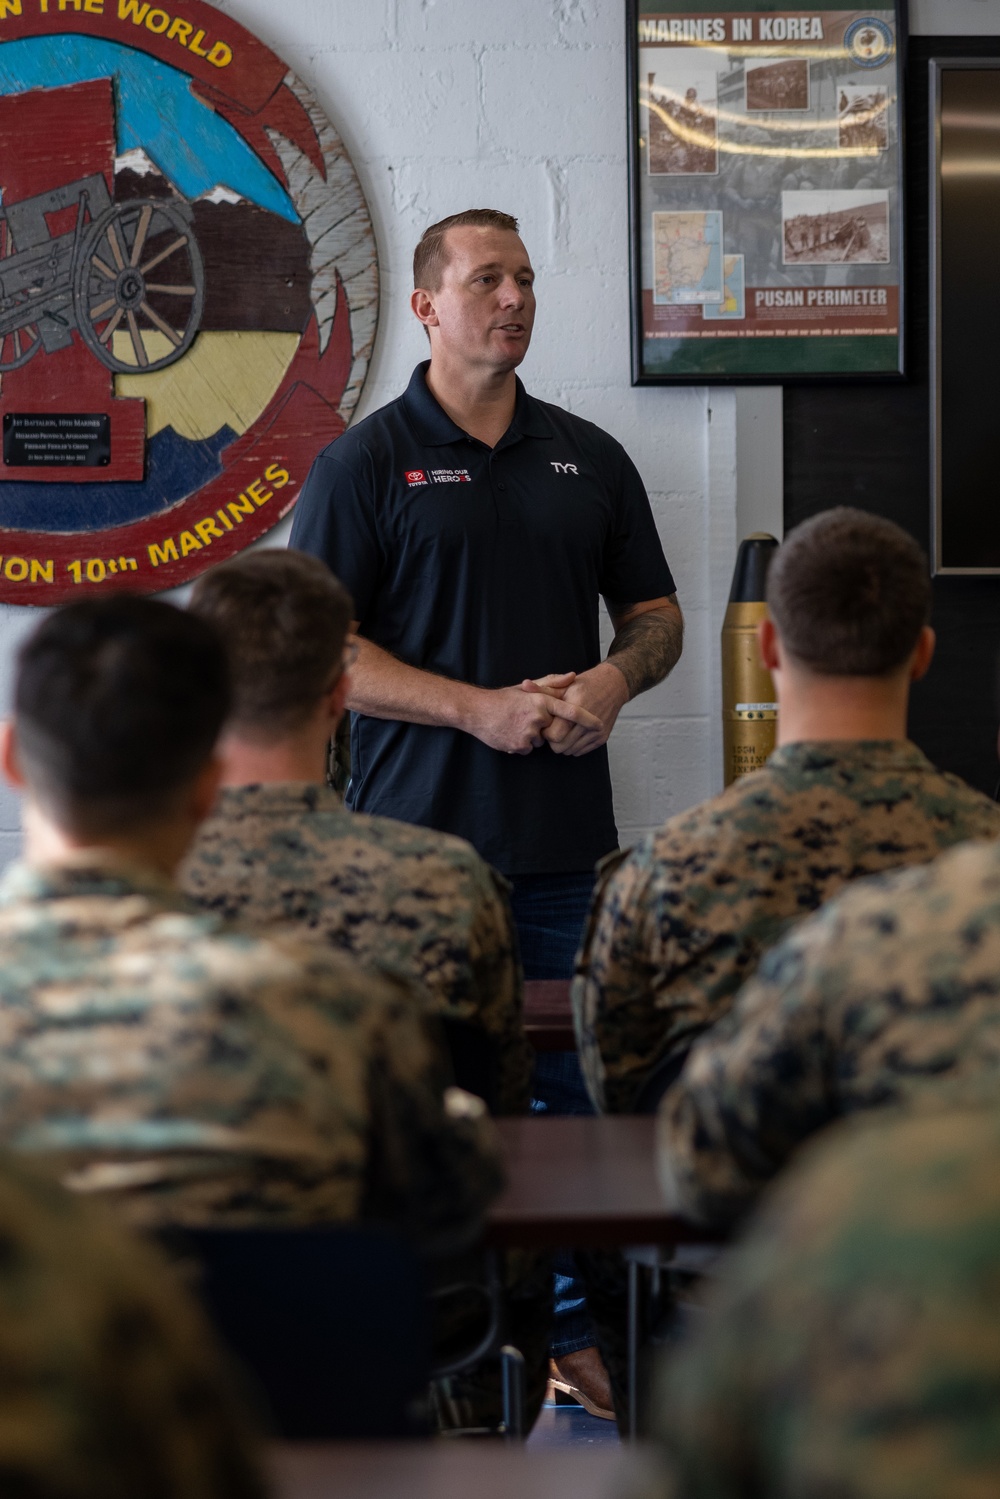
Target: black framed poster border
780	373
938	64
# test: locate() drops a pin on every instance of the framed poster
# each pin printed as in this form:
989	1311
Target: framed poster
766	192
965	313
188	293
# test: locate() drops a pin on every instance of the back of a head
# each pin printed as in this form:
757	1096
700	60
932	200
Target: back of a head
283	619
118	704
849	593
430	256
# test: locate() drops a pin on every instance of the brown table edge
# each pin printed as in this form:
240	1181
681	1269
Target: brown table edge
551	1035
597	1233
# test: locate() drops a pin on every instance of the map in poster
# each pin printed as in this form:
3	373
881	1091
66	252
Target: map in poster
768	203
733	304
687	258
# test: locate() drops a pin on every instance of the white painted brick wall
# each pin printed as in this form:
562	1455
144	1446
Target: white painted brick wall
449	105
445	104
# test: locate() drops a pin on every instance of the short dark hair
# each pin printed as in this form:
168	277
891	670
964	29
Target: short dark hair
118	703
849	593
283	618
430	257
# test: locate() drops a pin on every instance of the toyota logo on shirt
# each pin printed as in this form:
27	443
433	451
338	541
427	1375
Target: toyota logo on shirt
417	476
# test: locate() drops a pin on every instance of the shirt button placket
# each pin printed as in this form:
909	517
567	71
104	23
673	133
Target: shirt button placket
497	485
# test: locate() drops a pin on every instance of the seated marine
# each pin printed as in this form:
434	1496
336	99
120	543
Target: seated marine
680	922
852	1344
280	847
890	994
188	1072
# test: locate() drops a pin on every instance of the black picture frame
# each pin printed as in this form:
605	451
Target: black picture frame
768	256
964	313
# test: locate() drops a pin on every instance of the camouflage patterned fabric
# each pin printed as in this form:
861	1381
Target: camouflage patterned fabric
199	1074
391	895
111	1385
852	1348
890	992
680	923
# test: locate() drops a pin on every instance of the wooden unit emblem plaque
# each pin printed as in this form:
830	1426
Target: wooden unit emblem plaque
188	293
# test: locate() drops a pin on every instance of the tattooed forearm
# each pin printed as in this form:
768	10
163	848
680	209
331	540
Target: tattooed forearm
648	646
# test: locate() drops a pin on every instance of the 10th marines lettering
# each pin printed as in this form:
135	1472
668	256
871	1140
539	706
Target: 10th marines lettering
205	531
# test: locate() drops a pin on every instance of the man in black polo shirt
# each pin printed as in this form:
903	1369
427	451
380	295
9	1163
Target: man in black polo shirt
477	529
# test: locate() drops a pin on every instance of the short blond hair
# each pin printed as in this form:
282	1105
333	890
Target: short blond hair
430	257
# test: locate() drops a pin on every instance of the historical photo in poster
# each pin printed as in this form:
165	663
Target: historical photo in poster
864	118
766	192
683	119
778	85
846	228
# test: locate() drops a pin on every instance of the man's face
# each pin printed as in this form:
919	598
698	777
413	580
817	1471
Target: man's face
484	309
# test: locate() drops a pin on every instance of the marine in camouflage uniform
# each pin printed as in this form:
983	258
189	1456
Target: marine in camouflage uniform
852	1348
111	1386
197	1074
393	896
892	992
408	899
678	924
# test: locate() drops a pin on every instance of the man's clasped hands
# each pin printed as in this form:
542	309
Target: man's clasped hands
571	712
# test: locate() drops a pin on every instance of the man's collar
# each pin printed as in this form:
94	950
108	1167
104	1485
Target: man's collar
435	428
83	872
872	754
281	798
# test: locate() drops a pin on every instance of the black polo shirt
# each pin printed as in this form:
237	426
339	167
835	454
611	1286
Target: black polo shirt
487	566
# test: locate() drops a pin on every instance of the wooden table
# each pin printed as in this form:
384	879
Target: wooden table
454	1470
579	1181
548	1015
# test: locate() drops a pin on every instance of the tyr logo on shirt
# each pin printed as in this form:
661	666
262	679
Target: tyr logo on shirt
566	468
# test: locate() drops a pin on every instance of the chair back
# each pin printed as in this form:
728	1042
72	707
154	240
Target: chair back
331	1323
473	1059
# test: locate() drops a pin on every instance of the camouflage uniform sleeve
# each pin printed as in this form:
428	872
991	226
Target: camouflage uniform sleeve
434	1157
753	1087
115	1380
700	1411
704	1408
499	992
651	975
615	1023
850	1344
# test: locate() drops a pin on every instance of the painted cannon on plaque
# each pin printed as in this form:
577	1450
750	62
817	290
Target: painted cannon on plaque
188	293
127	276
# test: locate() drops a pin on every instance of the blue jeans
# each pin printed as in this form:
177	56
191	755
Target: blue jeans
549	913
